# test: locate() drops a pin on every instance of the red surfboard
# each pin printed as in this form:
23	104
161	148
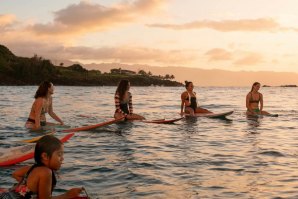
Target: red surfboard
86	128
162	121
14	155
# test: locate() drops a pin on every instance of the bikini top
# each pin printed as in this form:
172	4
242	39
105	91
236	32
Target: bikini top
251	100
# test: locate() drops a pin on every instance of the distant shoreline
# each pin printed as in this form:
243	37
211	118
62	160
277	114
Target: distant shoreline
290	86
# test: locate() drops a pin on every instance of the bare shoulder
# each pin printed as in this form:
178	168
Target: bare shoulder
184	93
43	172
39	101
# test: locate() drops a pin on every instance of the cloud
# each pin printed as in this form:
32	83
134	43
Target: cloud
130	54
7	20
86	17
237	57
249	59
252	25
123	54
218	54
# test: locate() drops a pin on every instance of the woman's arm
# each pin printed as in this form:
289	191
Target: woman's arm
182	102
19	174
261	102
53	114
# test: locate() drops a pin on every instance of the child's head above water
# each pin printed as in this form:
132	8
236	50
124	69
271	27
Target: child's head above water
49	152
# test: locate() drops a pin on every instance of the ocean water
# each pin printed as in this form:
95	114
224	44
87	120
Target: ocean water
194	158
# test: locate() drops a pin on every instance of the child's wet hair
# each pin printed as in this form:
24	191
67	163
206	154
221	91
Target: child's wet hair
47	144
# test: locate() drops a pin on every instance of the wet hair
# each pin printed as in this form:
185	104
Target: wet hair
254	84
42	90
122	87
47	144
187	83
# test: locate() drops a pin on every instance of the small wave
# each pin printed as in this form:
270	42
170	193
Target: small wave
216	187
272	153
226	169
101	169
219	163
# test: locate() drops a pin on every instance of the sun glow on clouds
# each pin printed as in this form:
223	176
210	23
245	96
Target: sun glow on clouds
86	17
7	20
149	32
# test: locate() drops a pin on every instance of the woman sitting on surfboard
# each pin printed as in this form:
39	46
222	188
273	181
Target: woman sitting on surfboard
189	103
39	180
123	102
253	99
41	106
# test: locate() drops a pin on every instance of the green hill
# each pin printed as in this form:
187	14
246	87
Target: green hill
16	70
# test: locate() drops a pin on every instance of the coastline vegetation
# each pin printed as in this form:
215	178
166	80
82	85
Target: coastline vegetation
16	70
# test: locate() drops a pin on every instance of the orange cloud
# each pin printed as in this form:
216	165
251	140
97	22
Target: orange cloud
130	55
218	54
125	54
261	24
249	59
237	57
85	17
7	20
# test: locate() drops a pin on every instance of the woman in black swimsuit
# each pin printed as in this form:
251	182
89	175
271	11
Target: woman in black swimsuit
189	101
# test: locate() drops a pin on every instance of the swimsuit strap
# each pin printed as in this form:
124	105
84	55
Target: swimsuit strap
189	97
24	180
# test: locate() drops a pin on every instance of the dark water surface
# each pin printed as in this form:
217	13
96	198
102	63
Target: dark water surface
194	158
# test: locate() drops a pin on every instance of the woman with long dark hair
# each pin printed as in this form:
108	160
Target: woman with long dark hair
42	104
253	99
123	102
189	103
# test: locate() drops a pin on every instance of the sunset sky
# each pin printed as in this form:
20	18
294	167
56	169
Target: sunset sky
236	35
